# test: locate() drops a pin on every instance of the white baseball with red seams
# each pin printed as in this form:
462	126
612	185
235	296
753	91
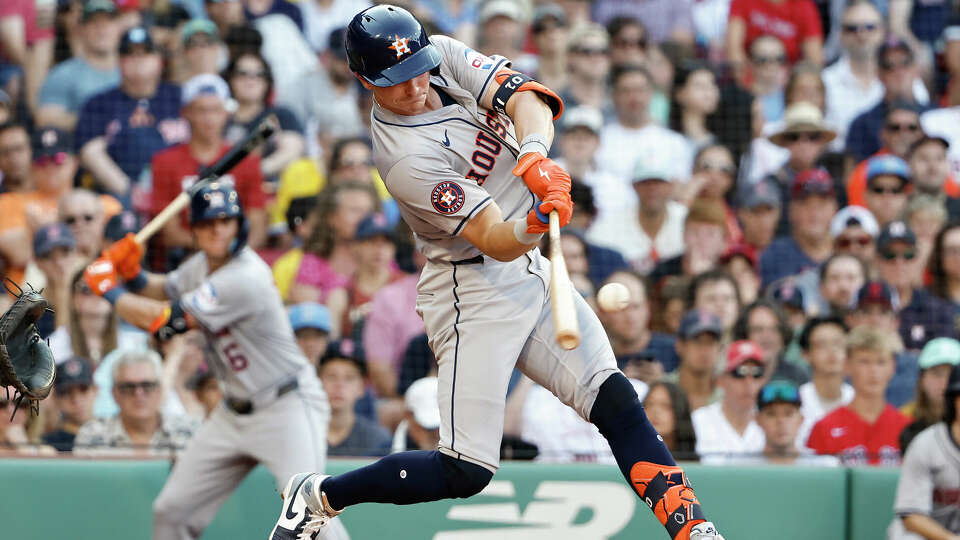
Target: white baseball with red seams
613	297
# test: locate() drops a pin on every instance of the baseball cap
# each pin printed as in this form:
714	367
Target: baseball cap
887	164
344	349
500	8
421	400
198	26
924	140
743	351
763	193
895	231
73	371
892	43
698	321
544	12
373	225
583	116
877	292
786	293
52	236
802	117
740	249
939	351
778	392
812	182
652	169
51	141
136	37
120	224
95	7
309	315
849	216
204	84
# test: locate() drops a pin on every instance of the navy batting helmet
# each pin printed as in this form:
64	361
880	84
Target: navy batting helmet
387	45
215	201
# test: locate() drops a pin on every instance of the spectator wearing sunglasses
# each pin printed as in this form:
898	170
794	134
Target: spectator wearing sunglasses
589	58
796	23
729	427
73	394
923	316
81	210
139	428
867	430
898	74
854	231
898	134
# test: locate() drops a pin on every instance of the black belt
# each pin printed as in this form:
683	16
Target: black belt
472	260
245	406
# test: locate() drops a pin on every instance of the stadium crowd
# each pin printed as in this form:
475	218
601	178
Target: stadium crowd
774	181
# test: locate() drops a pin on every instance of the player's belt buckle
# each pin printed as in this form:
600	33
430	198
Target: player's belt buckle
245	406
472	260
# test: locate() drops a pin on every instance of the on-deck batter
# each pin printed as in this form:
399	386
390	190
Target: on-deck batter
274	410
446	125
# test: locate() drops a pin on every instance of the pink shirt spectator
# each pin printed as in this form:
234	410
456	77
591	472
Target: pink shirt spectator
392	322
317	272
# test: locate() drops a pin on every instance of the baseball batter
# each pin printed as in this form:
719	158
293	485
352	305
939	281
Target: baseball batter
274	410
454	132
928	493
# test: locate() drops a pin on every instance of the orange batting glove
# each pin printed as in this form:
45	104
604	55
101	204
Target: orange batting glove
538	220
102	278
538	172
125	254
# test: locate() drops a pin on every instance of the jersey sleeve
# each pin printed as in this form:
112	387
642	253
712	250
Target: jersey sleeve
816	441
56	89
428	190
222	299
915	487
473	70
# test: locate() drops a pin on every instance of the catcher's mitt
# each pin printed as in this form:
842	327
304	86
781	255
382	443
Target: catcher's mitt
26	362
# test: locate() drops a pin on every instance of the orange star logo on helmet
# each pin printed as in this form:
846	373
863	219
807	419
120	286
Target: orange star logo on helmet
400	45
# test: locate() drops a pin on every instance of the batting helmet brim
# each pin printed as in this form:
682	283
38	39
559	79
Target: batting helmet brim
422	61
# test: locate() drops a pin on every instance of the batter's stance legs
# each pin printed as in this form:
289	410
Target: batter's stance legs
421	476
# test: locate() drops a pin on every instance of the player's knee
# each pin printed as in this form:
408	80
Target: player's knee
464	479
616	398
167	511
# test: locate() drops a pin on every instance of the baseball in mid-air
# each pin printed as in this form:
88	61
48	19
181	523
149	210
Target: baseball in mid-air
613	297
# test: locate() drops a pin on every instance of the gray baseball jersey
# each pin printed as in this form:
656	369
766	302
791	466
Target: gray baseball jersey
482	318
240	310
930	479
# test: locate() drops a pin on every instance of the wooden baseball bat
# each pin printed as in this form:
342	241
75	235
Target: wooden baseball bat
561	292
260	133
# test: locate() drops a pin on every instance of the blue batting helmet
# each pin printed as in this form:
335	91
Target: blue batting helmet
216	201
387	45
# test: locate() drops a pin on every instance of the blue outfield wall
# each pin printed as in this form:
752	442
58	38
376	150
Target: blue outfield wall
100	500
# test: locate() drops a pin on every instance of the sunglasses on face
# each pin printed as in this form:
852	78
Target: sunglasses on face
56	159
591	51
633	43
857	28
73	220
747	370
880	190
808	137
200	42
844	242
887	65
250	74
719	167
764	60
130	388
899	128
893	255
779	391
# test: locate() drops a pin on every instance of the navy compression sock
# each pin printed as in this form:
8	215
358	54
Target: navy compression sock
407	478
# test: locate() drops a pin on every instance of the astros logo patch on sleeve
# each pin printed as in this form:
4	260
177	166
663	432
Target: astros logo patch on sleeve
447	197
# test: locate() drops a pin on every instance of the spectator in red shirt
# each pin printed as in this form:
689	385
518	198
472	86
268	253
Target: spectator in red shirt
795	22
867	431
204	99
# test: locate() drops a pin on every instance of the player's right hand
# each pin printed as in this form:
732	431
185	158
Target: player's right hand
539	171
125	254
538	220
101	276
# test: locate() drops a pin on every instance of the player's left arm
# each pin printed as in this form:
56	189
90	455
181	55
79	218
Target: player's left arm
496	238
